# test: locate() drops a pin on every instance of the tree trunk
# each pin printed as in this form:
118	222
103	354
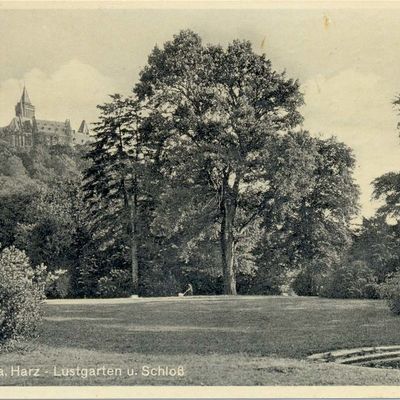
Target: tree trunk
228	210
134	247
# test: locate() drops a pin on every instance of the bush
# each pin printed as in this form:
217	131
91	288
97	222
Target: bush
168	280
86	277
390	290
155	283
351	280
259	284
304	283
116	284
57	284
21	294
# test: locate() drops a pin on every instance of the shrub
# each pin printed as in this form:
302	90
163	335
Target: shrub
116	284
350	280
21	293
390	290
87	277
304	283
155	283
57	284
259	284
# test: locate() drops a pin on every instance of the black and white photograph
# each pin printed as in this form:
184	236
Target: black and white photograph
200	194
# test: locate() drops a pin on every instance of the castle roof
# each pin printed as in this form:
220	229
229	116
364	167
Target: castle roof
54	128
19	123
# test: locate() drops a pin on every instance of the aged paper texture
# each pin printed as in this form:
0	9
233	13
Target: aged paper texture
199	199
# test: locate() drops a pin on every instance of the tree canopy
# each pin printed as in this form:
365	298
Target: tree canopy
203	175
223	120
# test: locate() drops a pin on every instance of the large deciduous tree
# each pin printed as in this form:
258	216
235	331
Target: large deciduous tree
221	109
378	242
310	229
387	189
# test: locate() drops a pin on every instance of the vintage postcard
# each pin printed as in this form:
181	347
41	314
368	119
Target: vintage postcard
199	199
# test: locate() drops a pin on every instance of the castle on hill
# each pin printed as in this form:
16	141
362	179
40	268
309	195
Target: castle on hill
24	130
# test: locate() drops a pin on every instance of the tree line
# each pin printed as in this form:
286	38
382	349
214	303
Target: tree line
203	175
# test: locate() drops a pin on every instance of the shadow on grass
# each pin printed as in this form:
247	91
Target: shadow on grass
285	327
155	340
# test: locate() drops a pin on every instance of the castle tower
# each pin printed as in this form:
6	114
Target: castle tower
25	108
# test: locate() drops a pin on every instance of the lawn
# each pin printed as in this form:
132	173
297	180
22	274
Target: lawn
216	340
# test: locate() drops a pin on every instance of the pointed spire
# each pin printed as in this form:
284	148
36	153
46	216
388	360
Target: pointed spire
25	108
25	97
83	128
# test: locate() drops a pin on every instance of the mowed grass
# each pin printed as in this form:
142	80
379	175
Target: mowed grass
217	341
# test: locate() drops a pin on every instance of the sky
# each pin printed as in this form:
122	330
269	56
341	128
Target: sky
347	61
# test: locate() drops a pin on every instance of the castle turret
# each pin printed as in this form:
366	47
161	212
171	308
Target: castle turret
25	108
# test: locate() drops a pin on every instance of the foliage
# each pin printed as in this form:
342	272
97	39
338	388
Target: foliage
57	284
379	240
378	245
112	181
157	282
87	276
16	192
265	282
21	294
215	113
48	236
353	279
117	283
307	224
304	283
203	176
323	230
387	189
45	217
390	290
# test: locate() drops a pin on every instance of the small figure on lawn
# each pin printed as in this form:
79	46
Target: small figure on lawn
187	292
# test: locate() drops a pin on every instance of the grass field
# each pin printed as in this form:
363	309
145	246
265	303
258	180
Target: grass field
216	340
